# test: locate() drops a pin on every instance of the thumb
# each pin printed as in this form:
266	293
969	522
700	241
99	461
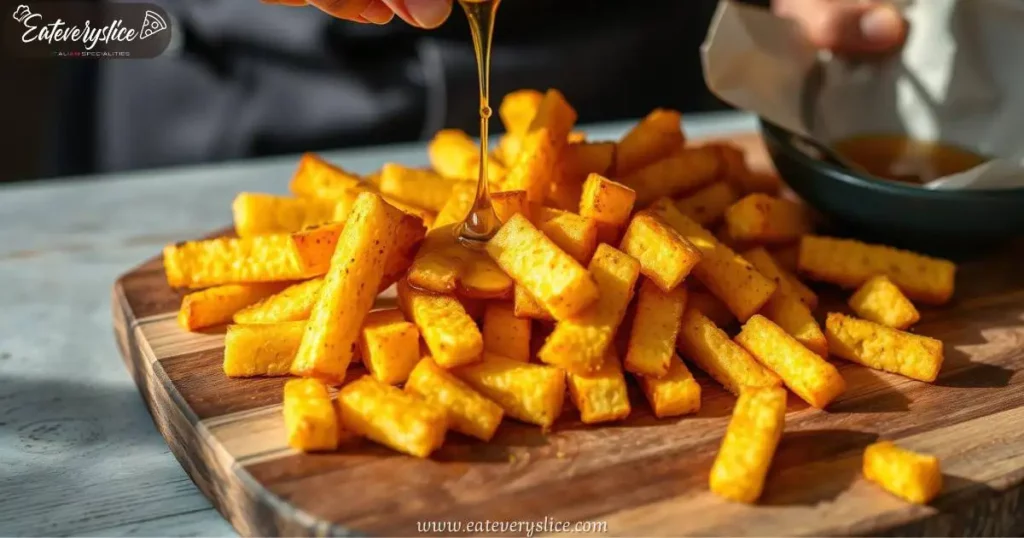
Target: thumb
847	27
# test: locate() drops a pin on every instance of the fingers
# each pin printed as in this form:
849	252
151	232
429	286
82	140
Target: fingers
427	14
844	26
351	10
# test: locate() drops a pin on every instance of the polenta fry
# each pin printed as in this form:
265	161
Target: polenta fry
214	306
765	219
508	203
685	170
518	108
600	396
525	306
309	416
607	202
401	421
505	334
290	304
317	178
653	138
812	378
883	348
261	350
712	307
454	155
389	346
749	444
787	283
579	343
468	412
707	206
880	301
450	333
675	393
665	256
532	393
421	188
261	214
713	352
652	339
213	262
914	477
574	234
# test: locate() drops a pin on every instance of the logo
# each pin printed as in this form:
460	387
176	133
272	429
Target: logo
87	30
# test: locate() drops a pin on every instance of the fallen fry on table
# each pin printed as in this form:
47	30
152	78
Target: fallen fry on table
809	376
881	301
309	416
579	343
883	348
385	414
261	350
711	350
652	340
468	412
749	444
914	477
217	305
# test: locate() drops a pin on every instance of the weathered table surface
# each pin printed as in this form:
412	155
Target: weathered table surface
78	452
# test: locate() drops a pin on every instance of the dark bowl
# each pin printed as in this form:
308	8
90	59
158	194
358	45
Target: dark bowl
938	222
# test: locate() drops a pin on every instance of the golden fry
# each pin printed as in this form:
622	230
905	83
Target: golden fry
399	420
555	114
532	393
793	316
736	172
879	300
518	109
883	348
212	262
577	161
808	375
525	306
291	304
468	412
787	283
850	263
673	394
309	416
724	360
725	274
574	234
418	187
600	396
707	206
712	307
535	165
457	206
261	214
508	203
505	334
214	306
317	178
653	138
749	444
261	350
652	340
389	346
454	155
914	477
349	290
553	278
606	201
579	343
665	256
450	333
764	219
685	170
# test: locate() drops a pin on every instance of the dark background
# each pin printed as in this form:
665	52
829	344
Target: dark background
247	79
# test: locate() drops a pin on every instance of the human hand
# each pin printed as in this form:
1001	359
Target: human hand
846	26
420	13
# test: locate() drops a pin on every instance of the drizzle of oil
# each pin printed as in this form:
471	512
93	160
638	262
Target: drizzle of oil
481	223
899	158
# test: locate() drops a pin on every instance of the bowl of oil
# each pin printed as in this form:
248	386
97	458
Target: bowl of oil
874	200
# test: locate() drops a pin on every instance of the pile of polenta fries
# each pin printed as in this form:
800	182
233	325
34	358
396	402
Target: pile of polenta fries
588	228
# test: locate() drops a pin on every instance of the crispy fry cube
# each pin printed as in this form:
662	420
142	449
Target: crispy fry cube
765	219
808	375
850	263
309	416
577	161
556	280
707	206
217	305
725	274
606	201
574	234
579	343
421	188
880	301
555	114
505	334
665	256
684	170
912	476
454	155
532	393
712	307
508	203
518	109
389	346
261	350
314	246
710	348
883	348
652	340
749	444
384	414
450	333
317	178
653	138
468	412
673	394
525	306
349	290
600	396
535	165
260	214
290	304
796	319
212	262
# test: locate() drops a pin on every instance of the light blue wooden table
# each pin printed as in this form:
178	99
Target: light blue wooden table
78	451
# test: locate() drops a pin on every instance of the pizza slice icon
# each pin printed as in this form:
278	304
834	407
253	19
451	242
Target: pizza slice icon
152	24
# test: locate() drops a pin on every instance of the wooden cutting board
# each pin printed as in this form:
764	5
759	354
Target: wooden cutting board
640	477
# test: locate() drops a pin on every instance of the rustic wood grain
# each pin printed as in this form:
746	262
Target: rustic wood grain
643	476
